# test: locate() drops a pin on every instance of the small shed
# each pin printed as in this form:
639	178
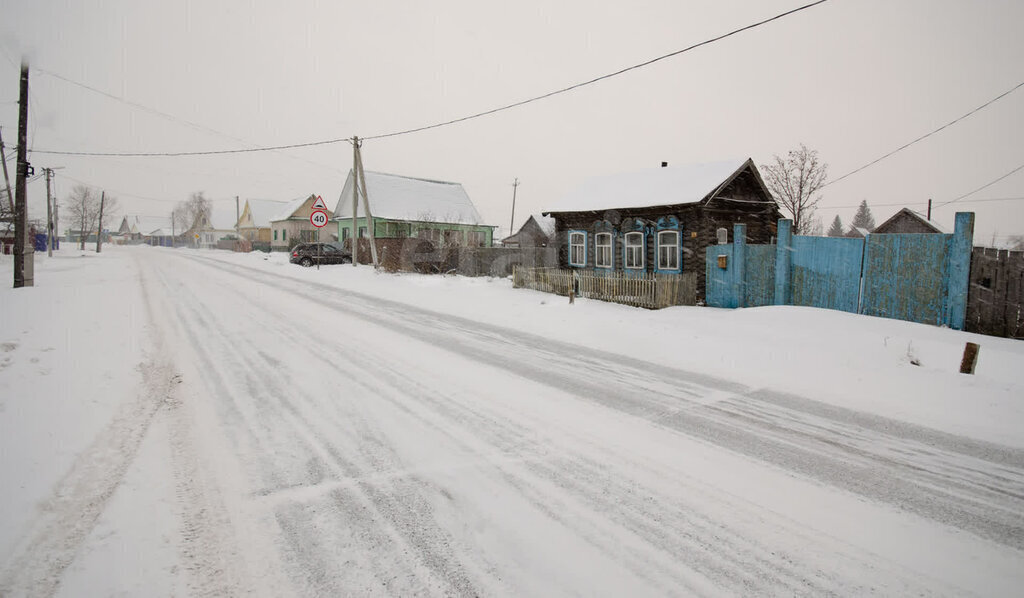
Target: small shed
537	231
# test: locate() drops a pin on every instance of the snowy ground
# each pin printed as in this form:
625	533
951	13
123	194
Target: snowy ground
178	422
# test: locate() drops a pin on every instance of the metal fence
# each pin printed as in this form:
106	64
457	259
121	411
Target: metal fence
645	289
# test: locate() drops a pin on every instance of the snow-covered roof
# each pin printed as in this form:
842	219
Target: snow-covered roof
285	212
649	188
405	198
145	225
546	224
263	209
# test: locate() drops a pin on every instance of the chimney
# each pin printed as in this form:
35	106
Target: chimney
664	164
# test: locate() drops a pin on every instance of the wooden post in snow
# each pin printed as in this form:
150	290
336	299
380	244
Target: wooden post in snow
970	359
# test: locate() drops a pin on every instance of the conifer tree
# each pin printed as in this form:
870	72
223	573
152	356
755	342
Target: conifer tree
836	230
863	218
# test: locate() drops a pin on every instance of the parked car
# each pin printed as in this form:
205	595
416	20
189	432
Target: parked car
308	254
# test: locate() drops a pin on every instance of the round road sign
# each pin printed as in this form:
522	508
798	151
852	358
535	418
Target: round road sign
318	218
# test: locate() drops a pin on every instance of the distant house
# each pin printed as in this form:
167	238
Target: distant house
857	232
254	222
410	207
135	229
537	231
291	225
662	220
211	226
907	221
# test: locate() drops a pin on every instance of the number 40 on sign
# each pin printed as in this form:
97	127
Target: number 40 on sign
318	218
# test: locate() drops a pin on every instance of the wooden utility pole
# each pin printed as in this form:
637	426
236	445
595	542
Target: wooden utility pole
512	223
49	214
20	280
99	234
7	179
355	201
366	208
237	216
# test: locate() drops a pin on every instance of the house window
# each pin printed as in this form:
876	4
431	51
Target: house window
577	248
668	250
634	249
475	238
284	234
362	232
345	233
603	250
275	234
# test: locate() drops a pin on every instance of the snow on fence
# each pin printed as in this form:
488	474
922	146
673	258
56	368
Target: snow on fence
648	290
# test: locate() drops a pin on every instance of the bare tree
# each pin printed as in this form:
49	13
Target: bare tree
83	206
1016	242
192	214
795	182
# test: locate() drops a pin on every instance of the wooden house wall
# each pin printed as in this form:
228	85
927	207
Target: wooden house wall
741	202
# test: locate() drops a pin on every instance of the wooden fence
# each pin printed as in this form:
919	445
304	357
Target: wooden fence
647	290
995	301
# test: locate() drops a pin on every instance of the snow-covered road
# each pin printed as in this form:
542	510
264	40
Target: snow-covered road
329	442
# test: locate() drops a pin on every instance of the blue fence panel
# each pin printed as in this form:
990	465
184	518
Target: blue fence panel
905	277
719	287
826	272
760	275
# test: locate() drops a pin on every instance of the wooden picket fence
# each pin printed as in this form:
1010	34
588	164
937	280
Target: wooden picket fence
647	290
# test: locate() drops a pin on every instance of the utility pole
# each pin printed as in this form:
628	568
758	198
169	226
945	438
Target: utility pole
7	179
929	210
355	200
20	279
99	234
366	207
49	214
511	224
237	215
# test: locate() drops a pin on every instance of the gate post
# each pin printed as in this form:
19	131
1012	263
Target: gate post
783	263
739	260
958	276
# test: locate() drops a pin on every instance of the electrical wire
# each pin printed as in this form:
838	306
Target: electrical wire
988	184
453	121
926	135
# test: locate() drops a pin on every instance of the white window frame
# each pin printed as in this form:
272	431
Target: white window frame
580	244
673	255
603	250
637	250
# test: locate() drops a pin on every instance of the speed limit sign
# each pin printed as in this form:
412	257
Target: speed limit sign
318	218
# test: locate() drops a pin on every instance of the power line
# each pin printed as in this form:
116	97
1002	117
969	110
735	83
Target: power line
170	117
453	121
601	78
925	136
988	184
903	203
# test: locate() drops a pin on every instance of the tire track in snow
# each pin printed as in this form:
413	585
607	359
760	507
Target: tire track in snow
262	411
70	514
980	488
712	549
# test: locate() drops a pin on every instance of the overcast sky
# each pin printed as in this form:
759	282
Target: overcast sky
851	79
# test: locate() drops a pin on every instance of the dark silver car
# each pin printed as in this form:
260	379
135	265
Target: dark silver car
308	254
